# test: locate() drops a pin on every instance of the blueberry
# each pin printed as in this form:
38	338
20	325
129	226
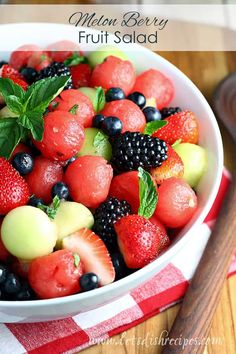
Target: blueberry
35	202
12	284
151	114
88	281
23	163
68	162
119	265
114	94
61	190
29	74
138	98
3	273
112	126
2	63
97	120
25	293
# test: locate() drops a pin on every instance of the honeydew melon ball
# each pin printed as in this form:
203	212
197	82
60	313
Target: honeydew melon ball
98	56
89	147
28	233
91	93
6	113
71	217
194	158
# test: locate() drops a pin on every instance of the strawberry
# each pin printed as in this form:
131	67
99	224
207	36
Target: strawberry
182	125
93	254
38	60
9	72
20	56
14	191
81	74
140	241
172	167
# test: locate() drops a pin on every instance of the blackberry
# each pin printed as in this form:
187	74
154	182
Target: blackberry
133	150
104	218
169	111
56	69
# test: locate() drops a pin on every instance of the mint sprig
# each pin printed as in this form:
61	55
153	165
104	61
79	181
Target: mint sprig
76	260
75	59
147	194
99	100
29	107
152	127
100	140
51	210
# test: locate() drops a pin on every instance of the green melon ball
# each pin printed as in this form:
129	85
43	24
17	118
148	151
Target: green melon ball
98	56
194	158
91	93
6	113
28	233
96	143
71	217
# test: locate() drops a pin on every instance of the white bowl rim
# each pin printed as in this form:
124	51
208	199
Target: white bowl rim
173	250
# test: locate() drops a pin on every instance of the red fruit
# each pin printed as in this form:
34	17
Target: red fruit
14	191
55	275
63	136
44	175
4	254
129	113
81	74
154	220
68	99
177	203
182	125
21	55
93	254
153	84
139	240
20	148
172	167
61	50
88	179
39	60
114	72
10	73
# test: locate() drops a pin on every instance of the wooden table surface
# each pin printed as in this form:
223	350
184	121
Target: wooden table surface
205	69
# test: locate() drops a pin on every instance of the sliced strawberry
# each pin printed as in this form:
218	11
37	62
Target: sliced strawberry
14	191
182	125
21	55
81	75
93	254
9	72
39	60
140	240
172	167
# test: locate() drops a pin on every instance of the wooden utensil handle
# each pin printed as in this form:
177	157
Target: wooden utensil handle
194	318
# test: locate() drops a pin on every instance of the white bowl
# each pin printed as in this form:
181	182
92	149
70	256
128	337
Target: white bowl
187	96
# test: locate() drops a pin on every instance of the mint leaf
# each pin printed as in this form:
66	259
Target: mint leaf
99	140
51	211
9	88
14	104
99	100
10	136
76	260
75	59
34	122
147	194
177	142
42	92
73	109
152	127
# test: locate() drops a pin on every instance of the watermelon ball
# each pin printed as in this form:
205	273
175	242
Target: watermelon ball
112	126
128	112
97	120
177	203
43	177
114	93
151	114
63	136
62	50
89	179
153	84
114	72
77	103
138	98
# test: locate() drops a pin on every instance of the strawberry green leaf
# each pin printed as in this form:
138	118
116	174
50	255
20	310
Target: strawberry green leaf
42	92
99	100
14	104
73	109
147	194
9	88
75	59
10	135
76	260
152	127
34	122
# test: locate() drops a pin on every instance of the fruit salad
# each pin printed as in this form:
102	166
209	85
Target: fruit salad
98	170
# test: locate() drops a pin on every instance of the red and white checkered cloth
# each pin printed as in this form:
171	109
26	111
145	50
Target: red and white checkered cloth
163	290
